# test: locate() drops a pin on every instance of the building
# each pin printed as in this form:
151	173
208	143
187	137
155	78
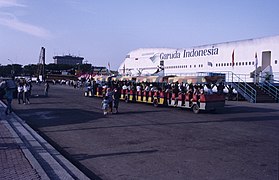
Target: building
68	59
99	70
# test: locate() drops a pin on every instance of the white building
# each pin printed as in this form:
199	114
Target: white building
239	57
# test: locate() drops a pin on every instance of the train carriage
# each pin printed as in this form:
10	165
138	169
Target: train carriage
202	83
189	92
199	95
151	95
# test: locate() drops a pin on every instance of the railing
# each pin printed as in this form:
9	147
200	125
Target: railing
195	74
240	85
247	91
270	89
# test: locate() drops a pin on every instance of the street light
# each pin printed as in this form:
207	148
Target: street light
11	61
13	70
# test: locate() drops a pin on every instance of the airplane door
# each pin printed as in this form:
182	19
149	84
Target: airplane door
161	63
266	59
266	66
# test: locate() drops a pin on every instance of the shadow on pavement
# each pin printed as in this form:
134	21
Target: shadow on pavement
81	157
46	117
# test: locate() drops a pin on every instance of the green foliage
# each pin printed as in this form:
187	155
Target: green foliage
32	69
10	70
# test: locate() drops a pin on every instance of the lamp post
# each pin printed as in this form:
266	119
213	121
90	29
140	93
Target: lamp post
78	70
12	64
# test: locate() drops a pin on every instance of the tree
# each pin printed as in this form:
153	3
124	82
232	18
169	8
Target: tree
30	70
85	68
5	71
17	69
11	70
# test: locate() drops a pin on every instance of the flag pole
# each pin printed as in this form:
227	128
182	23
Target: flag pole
233	59
109	68
256	64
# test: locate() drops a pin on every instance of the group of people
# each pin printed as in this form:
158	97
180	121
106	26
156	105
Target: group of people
24	92
174	88
111	100
20	88
112	91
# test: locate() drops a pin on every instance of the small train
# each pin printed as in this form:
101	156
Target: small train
202	91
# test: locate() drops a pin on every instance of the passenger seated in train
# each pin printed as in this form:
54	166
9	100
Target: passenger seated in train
138	88
209	89
168	92
198	91
147	89
124	88
175	90
182	88
153	88
201	90
133	89
190	92
220	88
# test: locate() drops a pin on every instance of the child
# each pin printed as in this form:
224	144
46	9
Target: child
109	94
105	105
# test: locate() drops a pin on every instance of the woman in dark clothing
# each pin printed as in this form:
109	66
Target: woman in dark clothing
116	97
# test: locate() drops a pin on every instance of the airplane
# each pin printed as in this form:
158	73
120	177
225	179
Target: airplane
253	60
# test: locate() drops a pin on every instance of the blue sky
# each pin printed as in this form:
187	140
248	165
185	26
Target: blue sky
104	31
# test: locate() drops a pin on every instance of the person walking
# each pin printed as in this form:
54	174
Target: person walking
105	105
116	98
26	93
46	89
19	92
109	94
9	92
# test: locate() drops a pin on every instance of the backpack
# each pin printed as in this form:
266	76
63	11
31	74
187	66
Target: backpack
10	84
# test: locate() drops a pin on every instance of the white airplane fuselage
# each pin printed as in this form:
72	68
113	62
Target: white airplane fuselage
238	57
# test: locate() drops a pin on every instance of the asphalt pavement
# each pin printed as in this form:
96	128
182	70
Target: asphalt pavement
145	142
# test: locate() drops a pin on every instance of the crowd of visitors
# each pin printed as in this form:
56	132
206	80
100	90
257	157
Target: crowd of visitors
19	88
112	90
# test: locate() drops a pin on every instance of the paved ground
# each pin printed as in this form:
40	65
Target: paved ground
144	142
13	163
26	155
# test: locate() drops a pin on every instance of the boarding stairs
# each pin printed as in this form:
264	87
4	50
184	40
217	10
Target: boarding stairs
270	90
255	93
243	88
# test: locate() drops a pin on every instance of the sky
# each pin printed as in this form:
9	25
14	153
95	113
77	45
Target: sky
104	31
